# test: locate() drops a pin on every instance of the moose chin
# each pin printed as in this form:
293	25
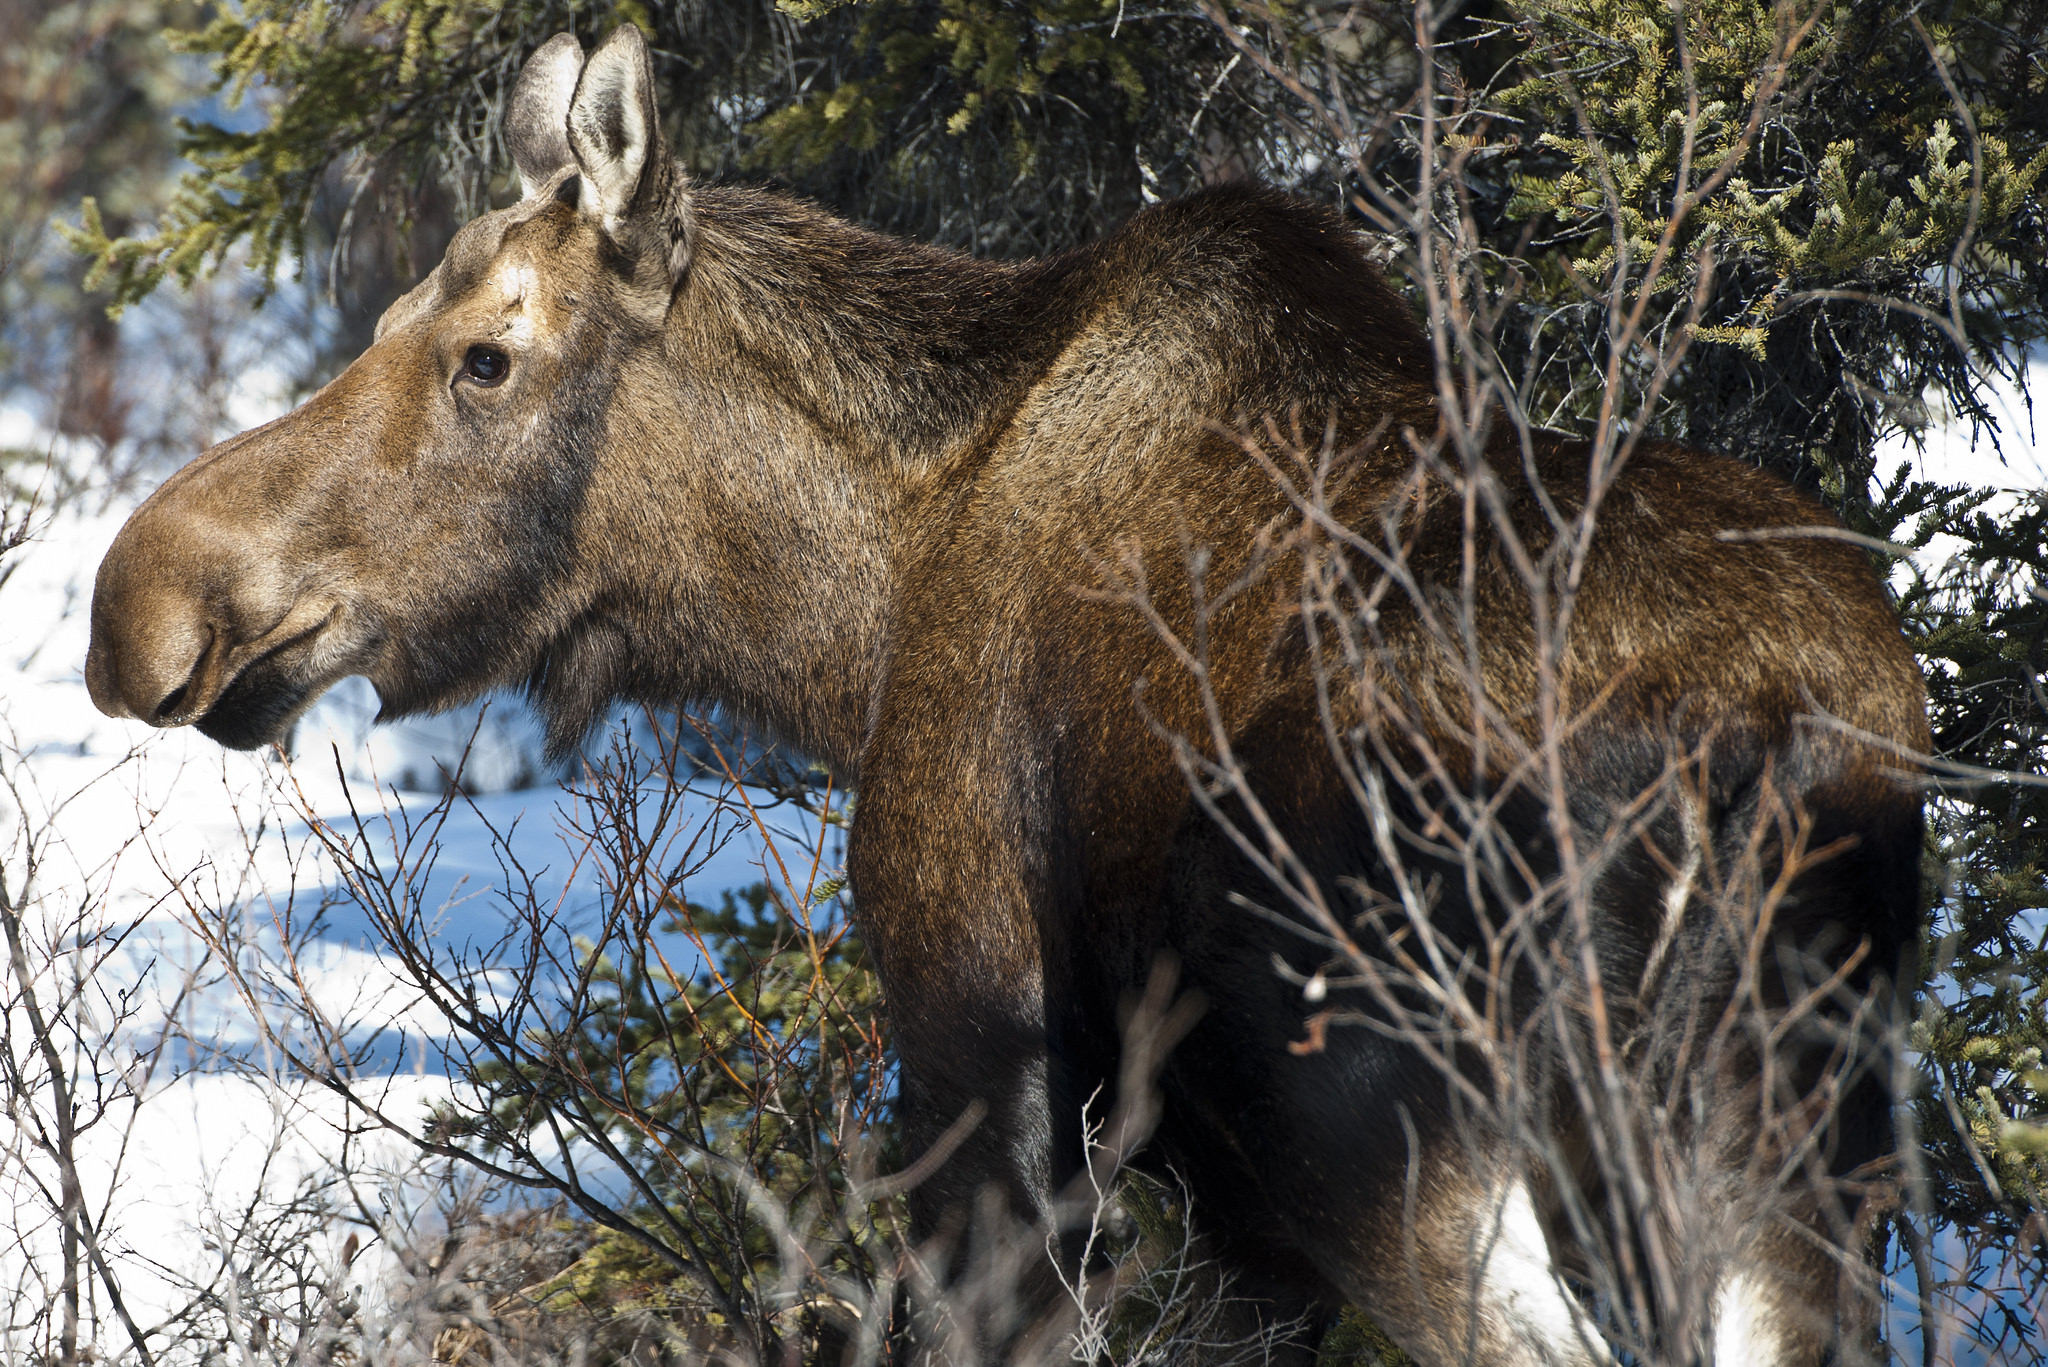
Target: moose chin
1016	548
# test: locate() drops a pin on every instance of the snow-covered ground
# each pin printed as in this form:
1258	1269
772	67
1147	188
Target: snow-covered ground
165	831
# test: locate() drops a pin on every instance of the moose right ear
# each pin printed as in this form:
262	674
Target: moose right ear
637	195
615	129
537	116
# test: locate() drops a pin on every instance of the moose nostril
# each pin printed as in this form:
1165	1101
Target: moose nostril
169	710
173	700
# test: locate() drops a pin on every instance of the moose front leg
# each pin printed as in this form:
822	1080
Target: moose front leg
944	894
975	1097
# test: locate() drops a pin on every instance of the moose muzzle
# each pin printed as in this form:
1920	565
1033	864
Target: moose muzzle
194	611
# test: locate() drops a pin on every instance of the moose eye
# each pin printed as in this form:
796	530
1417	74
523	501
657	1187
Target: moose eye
485	365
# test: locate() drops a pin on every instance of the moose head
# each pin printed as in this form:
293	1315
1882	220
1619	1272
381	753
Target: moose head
548	470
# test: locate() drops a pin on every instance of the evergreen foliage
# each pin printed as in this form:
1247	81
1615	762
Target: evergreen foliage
743	1057
1854	180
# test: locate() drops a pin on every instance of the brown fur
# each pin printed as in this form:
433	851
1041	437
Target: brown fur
856	489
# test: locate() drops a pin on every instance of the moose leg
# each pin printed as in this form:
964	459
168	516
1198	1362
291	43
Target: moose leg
1767	1309
945	896
1469	1278
975	1098
1792	1291
1803	1103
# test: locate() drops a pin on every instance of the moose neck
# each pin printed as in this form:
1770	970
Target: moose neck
831	389
900	353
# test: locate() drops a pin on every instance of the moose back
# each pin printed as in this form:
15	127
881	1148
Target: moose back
1019	549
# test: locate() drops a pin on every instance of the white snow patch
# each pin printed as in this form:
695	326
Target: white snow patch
166	829
2010	460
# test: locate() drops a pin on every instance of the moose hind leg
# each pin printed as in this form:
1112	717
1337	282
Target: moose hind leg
1472	1280
1760	1321
1793	1296
1522	1301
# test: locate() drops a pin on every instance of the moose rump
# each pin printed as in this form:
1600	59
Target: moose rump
1120	686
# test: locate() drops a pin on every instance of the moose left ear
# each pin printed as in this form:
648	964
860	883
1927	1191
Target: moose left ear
631	187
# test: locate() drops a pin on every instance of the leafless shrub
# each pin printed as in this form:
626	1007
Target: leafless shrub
65	1069
97	1033
698	1093
1674	1119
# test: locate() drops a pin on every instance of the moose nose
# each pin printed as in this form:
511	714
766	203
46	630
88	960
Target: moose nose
152	657
177	596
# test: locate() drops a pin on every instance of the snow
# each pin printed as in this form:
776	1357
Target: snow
1950	452
2011	459
168	831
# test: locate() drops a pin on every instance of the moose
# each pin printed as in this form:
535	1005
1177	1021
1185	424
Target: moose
945	525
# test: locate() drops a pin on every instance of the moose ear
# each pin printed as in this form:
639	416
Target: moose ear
537	117
615	129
